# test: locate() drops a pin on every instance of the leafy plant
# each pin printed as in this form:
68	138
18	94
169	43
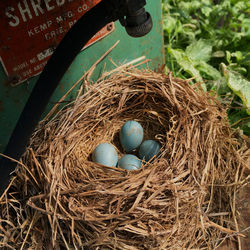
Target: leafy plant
210	41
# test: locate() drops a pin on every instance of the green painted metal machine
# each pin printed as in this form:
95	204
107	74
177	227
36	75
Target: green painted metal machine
45	46
25	25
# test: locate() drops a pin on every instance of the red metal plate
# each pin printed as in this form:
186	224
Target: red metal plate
31	30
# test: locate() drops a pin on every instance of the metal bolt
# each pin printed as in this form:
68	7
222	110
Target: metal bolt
110	26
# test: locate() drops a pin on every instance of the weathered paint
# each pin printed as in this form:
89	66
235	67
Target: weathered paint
31	32
128	49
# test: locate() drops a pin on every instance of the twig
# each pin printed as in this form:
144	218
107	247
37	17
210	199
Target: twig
6	190
18	162
122	67
89	72
223	229
27	234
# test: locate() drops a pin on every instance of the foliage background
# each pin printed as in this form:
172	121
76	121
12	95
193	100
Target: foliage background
210	41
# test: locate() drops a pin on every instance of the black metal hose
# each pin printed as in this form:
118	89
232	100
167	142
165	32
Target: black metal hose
85	28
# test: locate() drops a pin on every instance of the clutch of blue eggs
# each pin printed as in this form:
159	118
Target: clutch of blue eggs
136	150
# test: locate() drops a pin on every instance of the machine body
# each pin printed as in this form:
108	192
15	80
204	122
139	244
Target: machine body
42	91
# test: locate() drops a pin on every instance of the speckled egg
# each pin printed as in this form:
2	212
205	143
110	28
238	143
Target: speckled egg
131	135
105	154
129	162
148	149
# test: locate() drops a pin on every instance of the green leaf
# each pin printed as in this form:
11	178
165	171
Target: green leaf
219	54
239	118
246	27
200	50
169	23
184	61
228	57
208	70
221	87
239	85
246	59
206	11
190	6
236	68
239	6
238	55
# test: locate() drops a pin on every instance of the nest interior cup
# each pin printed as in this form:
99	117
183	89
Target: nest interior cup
168	203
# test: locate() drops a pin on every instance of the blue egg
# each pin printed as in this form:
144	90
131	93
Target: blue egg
105	154
129	162
148	149
131	135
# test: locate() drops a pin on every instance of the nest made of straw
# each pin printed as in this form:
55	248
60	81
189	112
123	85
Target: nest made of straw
184	199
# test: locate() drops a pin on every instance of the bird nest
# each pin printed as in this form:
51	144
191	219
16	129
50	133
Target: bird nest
183	199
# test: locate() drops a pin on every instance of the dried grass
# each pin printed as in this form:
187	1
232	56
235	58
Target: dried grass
185	199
